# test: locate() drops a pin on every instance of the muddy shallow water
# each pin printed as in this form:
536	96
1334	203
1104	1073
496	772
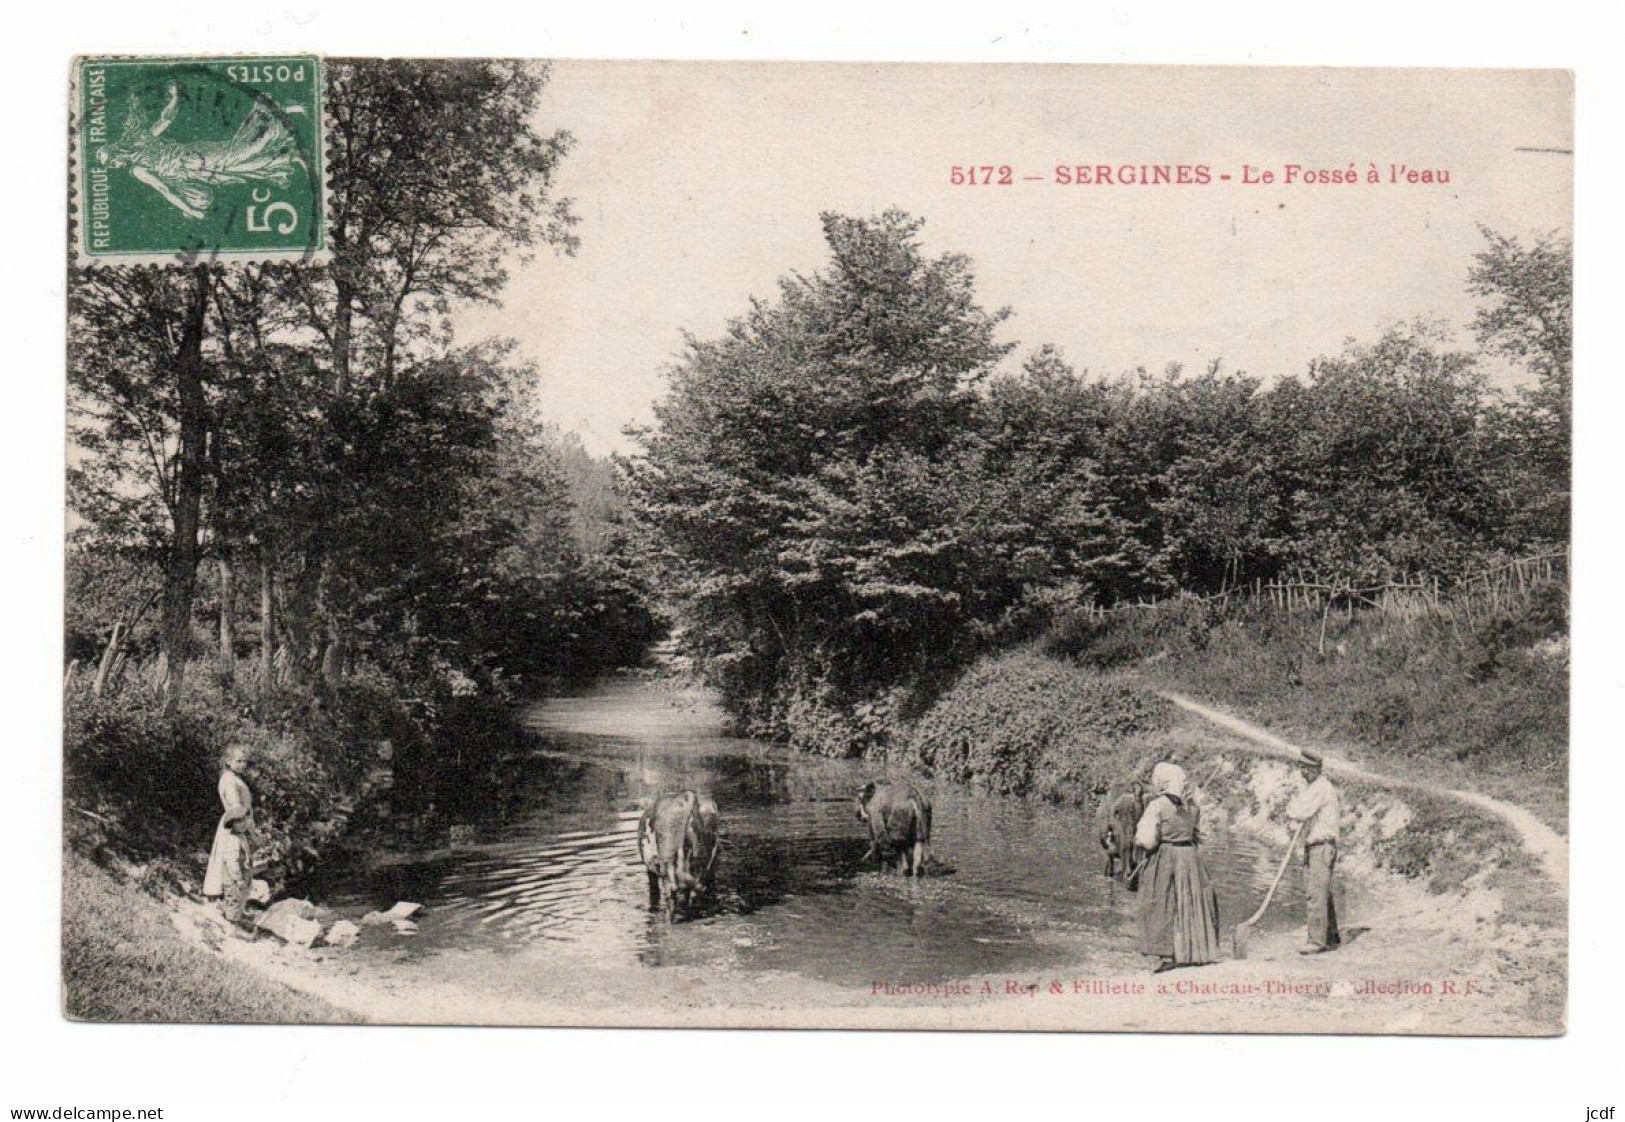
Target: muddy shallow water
555	874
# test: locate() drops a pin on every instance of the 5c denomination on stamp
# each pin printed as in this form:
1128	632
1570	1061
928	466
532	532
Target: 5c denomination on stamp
183	160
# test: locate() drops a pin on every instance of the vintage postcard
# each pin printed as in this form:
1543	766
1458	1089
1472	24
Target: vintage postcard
793	545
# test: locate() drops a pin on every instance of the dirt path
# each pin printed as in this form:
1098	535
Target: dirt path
1548	846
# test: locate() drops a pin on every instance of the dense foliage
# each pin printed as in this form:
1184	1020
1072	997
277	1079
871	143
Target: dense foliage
807	479
849	503
297	471
148	776
1023	724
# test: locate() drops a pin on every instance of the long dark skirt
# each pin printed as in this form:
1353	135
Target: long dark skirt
1179	911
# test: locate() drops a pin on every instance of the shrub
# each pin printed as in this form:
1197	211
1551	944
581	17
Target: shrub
1514	628
1382	717
1024	724
153	776
1133	632
1445	843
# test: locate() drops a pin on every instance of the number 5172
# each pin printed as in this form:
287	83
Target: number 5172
981	175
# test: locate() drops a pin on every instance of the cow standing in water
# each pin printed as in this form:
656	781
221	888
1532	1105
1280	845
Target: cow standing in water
677	839
899	821
1122	816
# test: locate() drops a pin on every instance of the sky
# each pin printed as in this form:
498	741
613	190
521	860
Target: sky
698	185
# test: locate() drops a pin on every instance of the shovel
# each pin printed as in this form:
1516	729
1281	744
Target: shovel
1244	930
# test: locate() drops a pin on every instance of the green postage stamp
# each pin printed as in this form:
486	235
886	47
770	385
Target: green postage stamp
183	160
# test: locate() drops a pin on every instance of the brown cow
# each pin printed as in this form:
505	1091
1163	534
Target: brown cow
677	839
899	820
1122	815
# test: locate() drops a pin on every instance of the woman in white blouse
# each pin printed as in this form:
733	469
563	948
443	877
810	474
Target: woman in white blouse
1179	911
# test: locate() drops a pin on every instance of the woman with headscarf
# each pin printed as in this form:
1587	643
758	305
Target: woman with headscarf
1179	911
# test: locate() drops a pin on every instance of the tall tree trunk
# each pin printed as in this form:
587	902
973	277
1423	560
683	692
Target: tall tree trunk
333	656
228	619
109	657
343	328
329	661
180	569
299	615
330	613
267	618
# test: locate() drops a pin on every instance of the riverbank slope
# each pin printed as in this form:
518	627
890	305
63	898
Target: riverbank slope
1468	693
124	959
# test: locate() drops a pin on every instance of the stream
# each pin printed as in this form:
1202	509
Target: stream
555	876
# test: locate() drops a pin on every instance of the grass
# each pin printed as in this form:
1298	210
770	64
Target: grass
1024	724
1310	719
1445	843
1469	701
122	960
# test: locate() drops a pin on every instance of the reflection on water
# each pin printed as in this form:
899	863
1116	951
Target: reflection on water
1018	885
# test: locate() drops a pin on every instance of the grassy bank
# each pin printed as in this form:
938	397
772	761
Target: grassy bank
123	960
145	780
1027	724
141	792
1465	697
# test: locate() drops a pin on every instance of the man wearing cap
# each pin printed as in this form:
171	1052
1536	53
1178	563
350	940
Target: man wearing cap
1319	807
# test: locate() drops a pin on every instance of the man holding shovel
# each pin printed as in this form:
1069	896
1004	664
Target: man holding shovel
1319	807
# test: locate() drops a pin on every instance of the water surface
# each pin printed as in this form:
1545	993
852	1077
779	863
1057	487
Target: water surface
553	868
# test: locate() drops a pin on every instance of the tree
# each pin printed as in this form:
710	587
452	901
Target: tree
1528	318
598	506
1384	462
803	483
1217	502
437	172
1053	477
251	412
138	364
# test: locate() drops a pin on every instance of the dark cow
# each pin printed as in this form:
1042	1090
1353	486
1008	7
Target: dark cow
899	820
677	839
1122	816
